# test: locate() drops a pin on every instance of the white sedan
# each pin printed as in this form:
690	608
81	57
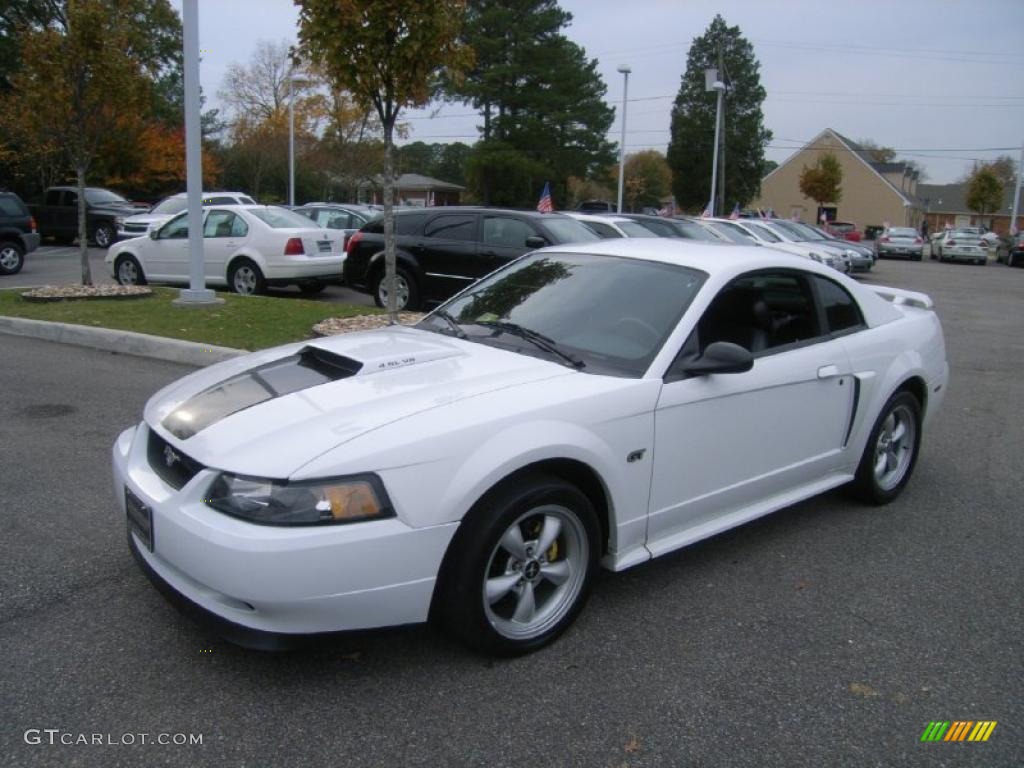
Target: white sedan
587	405
245	247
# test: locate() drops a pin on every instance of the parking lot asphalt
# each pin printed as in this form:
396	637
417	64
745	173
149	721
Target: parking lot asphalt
827	634
58	265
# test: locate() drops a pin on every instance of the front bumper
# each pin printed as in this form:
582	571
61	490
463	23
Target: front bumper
260	581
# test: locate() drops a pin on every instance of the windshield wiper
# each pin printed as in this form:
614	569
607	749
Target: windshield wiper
536	338
452	322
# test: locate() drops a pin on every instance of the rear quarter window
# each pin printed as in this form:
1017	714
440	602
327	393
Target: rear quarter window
841	310
12	206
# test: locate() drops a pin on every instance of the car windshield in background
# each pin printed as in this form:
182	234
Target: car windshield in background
281	218
809	233
960	234
785	229
765	232
568	230
171	206
733	233
902	232
689	229
632	229
100	196
611	313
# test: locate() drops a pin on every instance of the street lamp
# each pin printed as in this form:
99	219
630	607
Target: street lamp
622	145
293	80
713	83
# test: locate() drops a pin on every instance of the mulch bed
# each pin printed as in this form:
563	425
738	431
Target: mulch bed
335	325
76	292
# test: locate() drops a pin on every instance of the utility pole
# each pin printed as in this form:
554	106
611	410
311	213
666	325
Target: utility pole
712	82
622	145
724	75
1016	193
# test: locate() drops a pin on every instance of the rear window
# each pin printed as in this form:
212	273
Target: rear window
632	229
902	232
99	196
171	206
280	218
12	206
246	200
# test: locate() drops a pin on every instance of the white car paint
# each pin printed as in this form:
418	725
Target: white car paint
441	420
785	242
622	226
165	259
138	225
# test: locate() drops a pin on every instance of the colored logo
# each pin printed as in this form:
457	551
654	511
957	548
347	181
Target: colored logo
958	730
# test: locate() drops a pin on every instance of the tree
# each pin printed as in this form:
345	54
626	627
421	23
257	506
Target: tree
539	95
876	151
509	175
647	179
1005	169
81	80
693	120
984	190
388	54
822	182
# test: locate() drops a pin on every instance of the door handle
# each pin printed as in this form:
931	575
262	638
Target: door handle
828	371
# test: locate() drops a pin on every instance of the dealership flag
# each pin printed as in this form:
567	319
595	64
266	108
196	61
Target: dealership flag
735	212
824	217
544	204
708	212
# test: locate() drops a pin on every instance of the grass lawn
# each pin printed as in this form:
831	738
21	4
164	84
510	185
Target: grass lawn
245	322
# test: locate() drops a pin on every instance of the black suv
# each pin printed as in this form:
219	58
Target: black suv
18	234
440	251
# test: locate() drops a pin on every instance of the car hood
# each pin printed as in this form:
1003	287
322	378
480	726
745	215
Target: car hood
115	209
269	413
147	218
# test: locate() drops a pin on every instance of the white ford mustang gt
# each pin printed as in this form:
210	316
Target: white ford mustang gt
588	405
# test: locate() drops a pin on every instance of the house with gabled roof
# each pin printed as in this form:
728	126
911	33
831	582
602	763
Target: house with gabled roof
873	194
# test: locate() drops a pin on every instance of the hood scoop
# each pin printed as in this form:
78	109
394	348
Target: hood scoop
309	367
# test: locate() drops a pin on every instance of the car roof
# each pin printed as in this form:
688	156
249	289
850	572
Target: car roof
478	209
594	217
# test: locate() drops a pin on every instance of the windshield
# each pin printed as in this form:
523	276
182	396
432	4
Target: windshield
765	232
632	229
610	312
566	230
781	229
281	218
807	232
99	196
171	206
731	231
693	231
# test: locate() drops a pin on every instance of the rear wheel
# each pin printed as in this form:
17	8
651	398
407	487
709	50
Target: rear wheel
406	290
12	258
520	567
246	279
891	451
128	271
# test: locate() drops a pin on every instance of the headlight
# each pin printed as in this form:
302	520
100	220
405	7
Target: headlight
318	502
815	256
119	221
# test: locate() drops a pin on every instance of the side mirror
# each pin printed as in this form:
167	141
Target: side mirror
152	233
535	241
721	357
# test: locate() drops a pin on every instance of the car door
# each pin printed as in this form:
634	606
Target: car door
726	443
165	256
447	254
224	232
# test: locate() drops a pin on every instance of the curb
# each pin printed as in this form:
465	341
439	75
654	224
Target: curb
121	342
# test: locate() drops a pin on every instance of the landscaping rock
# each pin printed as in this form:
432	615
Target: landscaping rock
66	292
335	325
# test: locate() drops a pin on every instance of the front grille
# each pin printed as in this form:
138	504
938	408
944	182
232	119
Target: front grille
170	464
136	227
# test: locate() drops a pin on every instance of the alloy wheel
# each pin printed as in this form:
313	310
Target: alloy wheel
245	280
894	449
401	292
9	258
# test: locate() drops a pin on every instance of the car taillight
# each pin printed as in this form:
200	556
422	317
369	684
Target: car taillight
951	242
918	241
352	242
294	247
32	223
883	239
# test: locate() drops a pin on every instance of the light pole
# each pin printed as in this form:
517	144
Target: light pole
197	293
293	80
622	144
712	83
1016	194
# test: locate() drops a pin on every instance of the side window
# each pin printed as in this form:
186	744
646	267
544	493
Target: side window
407	224
460	227
218	224
331	219
53	197
70	198
10	207
175	229
238	226
760	312
509	233
841	311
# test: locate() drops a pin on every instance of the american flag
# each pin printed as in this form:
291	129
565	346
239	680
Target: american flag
544	205
708	212
669	210
735	212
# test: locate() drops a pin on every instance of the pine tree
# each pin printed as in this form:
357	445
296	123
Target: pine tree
693	120
539	95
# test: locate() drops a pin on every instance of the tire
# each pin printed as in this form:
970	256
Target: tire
104	236
483	586
915	257
877	482
128	271
312	287
12	257
246	279
407	290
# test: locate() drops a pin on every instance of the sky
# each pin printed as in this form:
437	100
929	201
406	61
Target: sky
939	80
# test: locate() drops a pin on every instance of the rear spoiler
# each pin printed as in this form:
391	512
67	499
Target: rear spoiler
900	296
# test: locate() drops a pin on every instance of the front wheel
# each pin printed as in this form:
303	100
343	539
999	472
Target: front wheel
12	258
104	235
128	271
891	451
520	567
246	279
